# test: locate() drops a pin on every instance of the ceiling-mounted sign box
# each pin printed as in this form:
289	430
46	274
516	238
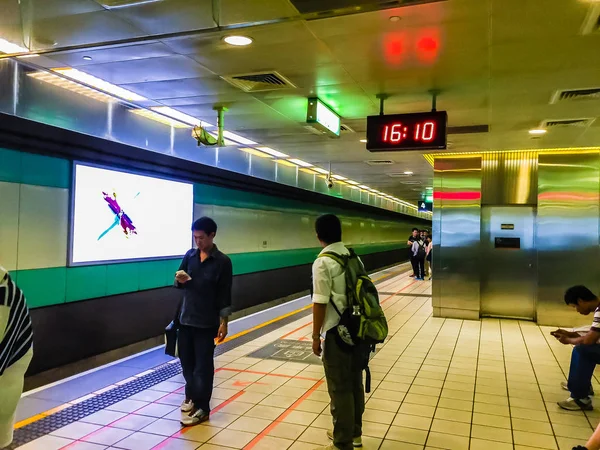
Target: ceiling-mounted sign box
416	131
323	117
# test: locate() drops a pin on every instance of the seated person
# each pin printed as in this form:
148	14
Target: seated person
586	350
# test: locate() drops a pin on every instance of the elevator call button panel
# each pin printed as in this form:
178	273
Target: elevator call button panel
507	242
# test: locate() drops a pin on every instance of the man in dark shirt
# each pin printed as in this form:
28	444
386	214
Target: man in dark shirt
205	275
412	238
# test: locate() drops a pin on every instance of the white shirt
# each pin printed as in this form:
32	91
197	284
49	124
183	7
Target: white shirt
329	284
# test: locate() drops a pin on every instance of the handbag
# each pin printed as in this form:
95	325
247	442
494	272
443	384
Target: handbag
171	332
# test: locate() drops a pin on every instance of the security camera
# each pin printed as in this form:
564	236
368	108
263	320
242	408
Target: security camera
329	182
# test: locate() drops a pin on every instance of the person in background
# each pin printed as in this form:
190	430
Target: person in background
428	258
419	252
427	240
411	239
586	350
205	275
342	369
16	351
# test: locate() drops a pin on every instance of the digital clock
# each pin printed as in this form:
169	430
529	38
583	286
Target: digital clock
417	131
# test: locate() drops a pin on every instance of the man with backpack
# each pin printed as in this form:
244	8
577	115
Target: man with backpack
419	252
346	311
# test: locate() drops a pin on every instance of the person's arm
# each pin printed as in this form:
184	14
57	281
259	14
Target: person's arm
591	337
321	296
593	442
224	298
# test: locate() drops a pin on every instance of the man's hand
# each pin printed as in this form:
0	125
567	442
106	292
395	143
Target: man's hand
563	338
181	277
316	346
222	334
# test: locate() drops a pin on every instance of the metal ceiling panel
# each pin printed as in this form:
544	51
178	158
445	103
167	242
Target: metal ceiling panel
244	11
169	16
113	54
148	70
187	87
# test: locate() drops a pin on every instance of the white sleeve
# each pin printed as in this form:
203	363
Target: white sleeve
321	282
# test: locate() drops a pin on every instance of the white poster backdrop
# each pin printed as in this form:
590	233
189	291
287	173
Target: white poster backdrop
160	214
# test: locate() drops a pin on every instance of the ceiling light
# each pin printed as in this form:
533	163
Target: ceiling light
364	141
395	18
149	114
97	83
272	152
239	41
354	183
177	115
9	47
237	138
362	186
429	188
71	86
339	177
115	4
408	172
255	152
305	170
87	58
323	171
300	163
537	132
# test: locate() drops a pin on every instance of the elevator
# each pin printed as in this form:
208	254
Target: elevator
508	262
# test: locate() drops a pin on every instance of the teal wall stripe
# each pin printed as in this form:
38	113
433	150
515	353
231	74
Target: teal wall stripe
38	170
44	287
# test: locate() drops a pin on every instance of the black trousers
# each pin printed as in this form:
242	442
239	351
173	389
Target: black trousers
419	267
415	266
196	353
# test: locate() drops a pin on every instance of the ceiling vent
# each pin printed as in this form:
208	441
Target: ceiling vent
410	182
469	129
346	129
576	94
591	24
562	123
379	162
261	81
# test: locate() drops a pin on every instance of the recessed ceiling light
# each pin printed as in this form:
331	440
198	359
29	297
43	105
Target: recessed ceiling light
239	41
395	18
429	188
537	131
363	141
87	58
408	172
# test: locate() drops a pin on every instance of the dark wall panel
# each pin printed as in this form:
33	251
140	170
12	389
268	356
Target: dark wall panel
69	332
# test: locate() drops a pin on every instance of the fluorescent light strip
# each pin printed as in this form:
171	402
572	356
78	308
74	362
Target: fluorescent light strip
128	4
177	115
353	183
237	138
300	163
272	152
8	47
71	86
285	162
102	85
255	152
339	177
323	171
149	114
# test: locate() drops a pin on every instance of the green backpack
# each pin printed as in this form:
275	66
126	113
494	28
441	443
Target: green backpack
364	317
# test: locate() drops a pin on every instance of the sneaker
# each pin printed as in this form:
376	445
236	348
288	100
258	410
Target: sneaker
194	418
356	442
187	406
565	386
572	404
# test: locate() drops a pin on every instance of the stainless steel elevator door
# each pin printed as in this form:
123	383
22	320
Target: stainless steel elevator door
508	269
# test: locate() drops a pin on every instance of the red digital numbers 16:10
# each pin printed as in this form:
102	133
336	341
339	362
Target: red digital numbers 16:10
424	132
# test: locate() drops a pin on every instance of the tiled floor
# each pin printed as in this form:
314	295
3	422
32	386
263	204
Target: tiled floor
437	383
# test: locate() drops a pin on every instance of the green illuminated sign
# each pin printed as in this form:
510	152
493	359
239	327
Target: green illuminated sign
323	117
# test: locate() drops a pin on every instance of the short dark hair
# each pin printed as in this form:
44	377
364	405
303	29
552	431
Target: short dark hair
329	228
576	293
205	224
415	229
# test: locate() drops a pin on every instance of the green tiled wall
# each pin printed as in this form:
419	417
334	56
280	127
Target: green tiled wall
39	185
